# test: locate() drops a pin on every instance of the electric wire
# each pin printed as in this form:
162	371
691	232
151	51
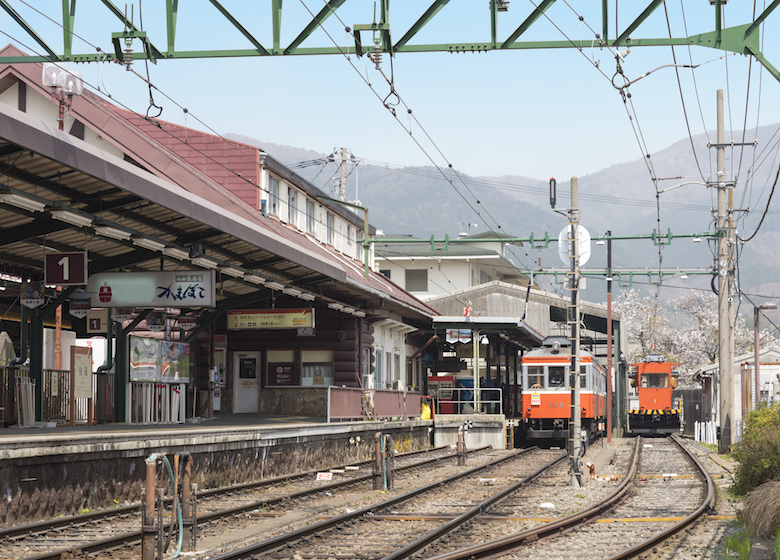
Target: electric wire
682	97
151	85
390	105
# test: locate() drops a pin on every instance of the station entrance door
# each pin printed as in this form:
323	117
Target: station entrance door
246	382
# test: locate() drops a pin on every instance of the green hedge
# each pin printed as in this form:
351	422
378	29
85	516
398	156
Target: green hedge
758	452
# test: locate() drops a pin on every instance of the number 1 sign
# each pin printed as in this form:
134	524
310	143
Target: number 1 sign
65	269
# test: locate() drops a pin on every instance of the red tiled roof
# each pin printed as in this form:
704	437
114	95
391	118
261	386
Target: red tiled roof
233	165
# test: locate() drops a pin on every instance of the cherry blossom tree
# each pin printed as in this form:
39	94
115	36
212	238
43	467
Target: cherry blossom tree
683	329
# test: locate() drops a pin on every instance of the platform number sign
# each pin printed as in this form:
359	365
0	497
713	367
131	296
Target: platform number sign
65	269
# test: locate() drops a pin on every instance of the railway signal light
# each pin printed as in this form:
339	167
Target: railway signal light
553	185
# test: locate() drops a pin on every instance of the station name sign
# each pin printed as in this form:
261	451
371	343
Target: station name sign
245	319
179	288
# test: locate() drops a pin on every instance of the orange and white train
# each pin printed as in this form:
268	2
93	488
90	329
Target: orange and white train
547	393
652	409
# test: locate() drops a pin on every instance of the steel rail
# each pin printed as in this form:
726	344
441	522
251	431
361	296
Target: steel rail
453	524
293	536
133	536
509	543
682	524
92	516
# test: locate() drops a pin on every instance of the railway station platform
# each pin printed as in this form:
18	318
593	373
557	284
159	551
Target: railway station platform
57	470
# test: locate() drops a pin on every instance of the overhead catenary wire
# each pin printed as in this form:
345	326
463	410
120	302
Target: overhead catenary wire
705	128
390	105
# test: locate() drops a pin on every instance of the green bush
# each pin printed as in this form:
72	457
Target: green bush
758	452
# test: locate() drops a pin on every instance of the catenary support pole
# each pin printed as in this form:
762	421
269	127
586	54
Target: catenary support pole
610	360
575	436
726	383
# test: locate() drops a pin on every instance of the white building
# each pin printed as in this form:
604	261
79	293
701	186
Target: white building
430	269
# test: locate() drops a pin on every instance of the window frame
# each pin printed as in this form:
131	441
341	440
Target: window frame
292	207
310	216
411	283
330	222
273	195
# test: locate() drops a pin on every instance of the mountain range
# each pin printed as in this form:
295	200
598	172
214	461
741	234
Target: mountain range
622	198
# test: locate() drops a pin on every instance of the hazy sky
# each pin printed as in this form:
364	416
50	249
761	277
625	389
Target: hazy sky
537	113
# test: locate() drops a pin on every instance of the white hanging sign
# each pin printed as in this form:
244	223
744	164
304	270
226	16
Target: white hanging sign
180	288
584	244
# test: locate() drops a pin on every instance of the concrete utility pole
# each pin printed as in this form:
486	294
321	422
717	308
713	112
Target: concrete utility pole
575	436
343	183
610	360
727	381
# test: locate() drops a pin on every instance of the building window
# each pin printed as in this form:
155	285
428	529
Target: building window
310	216
331	229
389	368
379	374
273	196
317	374
359	245
291	209
385	272
417	280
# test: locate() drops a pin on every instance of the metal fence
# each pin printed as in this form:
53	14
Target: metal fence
352	403
17	398
460	400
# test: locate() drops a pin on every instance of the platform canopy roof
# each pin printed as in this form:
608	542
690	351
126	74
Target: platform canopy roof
514	329
60	193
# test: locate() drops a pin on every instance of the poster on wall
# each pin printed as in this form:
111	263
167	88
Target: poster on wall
175	362
247	368
282	374
145	359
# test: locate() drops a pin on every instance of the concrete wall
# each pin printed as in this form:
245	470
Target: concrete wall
62	473
482	430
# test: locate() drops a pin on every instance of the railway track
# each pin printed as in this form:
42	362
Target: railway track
669	490
383	531
663	492
119	529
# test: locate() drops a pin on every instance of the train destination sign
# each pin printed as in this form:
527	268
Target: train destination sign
241	319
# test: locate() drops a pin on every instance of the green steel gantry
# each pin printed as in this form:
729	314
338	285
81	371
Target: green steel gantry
377	37
624	277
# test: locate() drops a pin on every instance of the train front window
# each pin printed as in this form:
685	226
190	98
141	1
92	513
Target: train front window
535	377
557	376
655	380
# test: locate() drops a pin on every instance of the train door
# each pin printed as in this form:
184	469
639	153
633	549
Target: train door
246	382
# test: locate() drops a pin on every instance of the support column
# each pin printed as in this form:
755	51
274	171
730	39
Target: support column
727	382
